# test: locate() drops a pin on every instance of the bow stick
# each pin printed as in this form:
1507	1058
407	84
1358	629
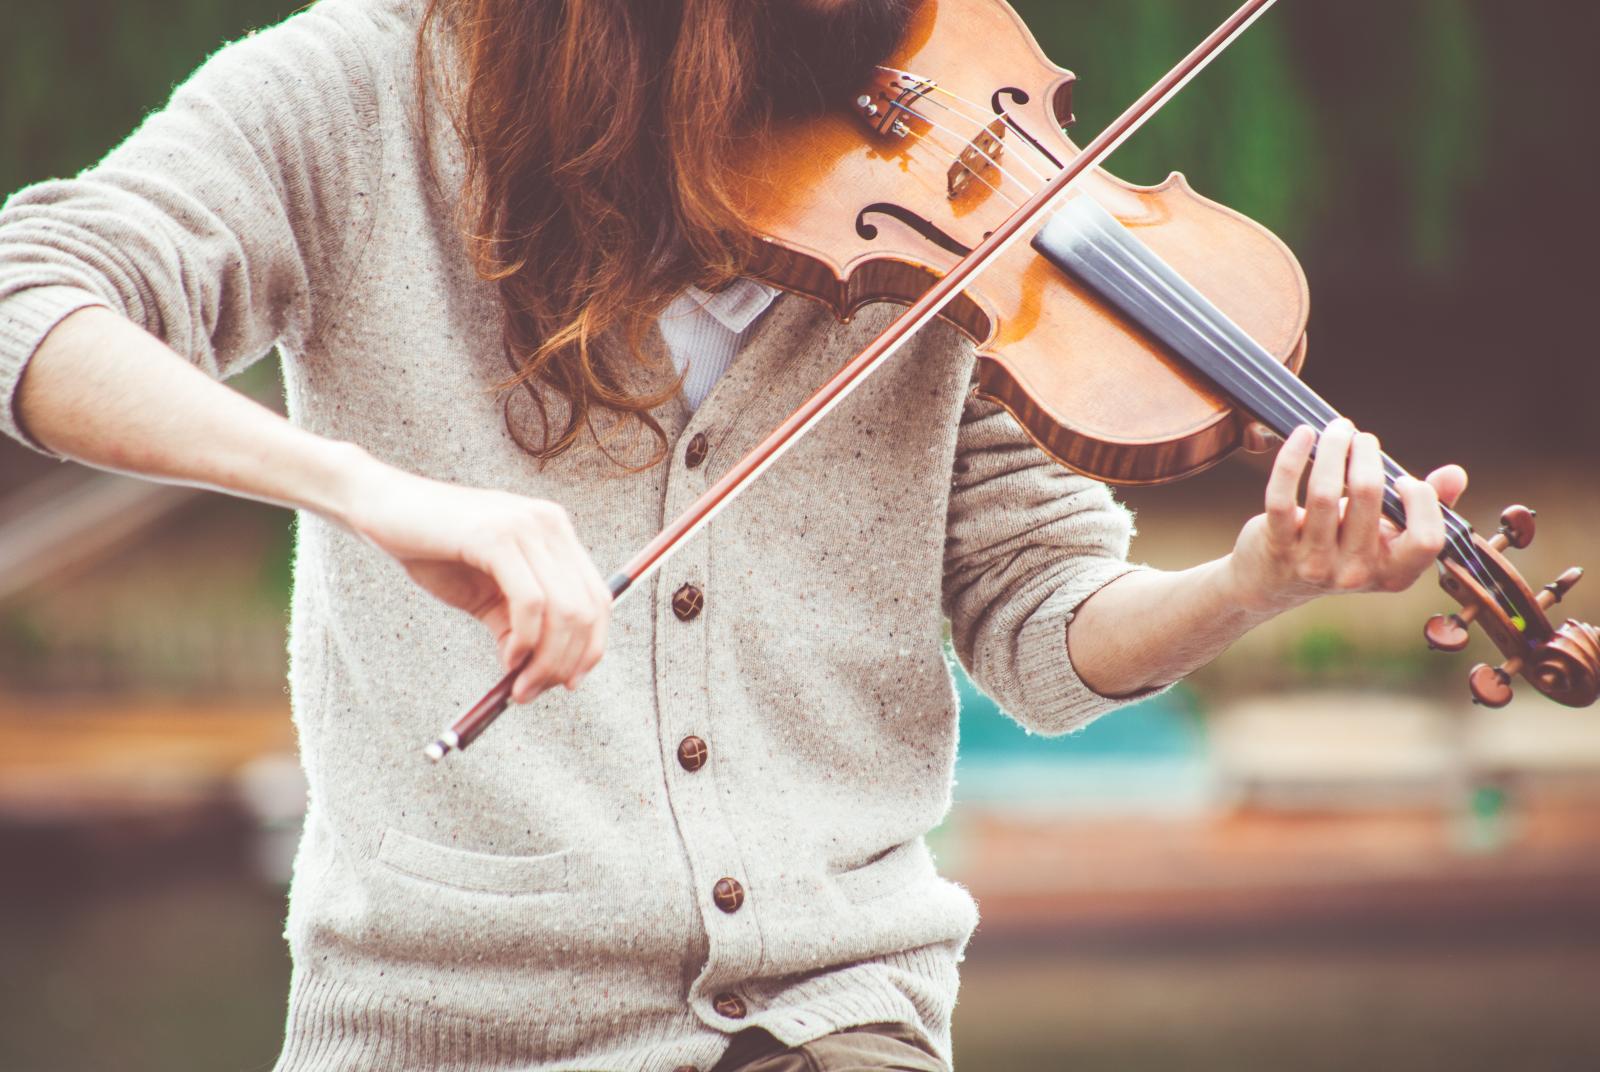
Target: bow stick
474	720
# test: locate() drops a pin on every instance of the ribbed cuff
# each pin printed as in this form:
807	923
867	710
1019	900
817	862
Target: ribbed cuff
26	317
1057	700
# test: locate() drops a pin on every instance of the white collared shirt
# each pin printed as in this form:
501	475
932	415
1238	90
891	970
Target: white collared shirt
704	331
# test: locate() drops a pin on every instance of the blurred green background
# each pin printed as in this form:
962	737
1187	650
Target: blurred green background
1313	855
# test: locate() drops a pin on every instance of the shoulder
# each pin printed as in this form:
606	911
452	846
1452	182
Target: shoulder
360	39
335	69
382	32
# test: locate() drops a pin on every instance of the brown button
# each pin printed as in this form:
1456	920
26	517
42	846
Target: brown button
730	1005
692	753
687	602
728	894
696	451
686	1068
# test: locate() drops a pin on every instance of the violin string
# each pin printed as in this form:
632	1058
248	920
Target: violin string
1029	191
919	137
1305	403
1312	405
1312	409
976	107
964	117
1309	407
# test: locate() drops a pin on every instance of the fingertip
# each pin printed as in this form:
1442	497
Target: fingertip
1299	442
1416	492
519	657
1451	480
524	691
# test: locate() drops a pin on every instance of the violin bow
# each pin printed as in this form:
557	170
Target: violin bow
471	723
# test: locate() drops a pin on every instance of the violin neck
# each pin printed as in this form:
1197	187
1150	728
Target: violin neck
1090	245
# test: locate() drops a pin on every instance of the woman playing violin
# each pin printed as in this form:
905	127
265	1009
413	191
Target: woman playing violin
495	246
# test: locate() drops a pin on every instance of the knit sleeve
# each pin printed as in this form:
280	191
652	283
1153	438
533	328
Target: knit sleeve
1027	541
221	221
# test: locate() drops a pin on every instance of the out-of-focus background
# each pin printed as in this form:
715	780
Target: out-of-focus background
1315	854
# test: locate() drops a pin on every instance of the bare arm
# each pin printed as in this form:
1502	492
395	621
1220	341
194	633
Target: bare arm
1153	627
105	392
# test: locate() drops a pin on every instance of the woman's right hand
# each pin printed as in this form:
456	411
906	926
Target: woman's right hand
512	562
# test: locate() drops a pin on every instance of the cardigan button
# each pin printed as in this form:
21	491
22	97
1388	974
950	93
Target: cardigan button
692	754
695	453
728	894
730	1005
688	602
686	1068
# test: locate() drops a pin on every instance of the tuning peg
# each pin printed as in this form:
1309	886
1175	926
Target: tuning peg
1448	632
1516	528
1556	590
1491	685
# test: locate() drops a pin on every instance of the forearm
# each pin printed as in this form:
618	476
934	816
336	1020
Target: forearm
1153	627
103	391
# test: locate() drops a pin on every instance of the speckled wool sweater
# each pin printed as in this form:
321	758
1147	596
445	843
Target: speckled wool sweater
546	899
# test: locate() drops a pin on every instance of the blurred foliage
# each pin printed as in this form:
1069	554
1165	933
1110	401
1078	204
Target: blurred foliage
1320	110
77	75
1324	649
1311	106
1325	654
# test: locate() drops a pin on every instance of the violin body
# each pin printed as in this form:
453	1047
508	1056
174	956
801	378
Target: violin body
853	214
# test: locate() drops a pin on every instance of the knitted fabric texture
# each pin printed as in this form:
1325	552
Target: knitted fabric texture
545	900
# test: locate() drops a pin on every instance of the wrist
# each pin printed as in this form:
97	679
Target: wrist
343	473
1245	589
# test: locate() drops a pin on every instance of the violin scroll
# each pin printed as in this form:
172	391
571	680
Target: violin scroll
1562	662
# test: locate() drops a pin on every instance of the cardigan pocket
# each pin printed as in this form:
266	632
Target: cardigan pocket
887	873
477	872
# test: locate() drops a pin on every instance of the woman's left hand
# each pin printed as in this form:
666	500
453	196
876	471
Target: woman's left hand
1339	541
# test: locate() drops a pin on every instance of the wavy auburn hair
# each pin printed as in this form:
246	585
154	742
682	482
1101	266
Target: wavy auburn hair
595	133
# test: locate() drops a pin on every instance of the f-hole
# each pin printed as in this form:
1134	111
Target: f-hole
1019	97
926	228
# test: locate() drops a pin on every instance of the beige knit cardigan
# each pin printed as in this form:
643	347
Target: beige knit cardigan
545	900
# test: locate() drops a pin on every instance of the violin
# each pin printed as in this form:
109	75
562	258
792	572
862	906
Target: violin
1134	335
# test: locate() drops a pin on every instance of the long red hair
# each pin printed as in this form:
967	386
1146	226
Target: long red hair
595	133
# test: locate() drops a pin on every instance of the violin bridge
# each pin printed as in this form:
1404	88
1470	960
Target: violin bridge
982	155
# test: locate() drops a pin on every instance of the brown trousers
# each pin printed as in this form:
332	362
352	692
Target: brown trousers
871	1048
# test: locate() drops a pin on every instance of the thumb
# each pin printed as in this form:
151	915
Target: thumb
1449	481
